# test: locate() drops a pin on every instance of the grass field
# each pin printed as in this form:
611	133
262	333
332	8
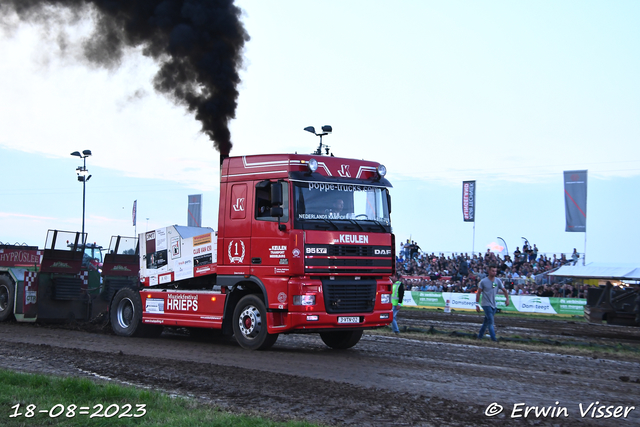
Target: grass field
42	400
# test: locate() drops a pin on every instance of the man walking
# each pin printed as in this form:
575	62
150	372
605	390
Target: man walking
397	295
488	288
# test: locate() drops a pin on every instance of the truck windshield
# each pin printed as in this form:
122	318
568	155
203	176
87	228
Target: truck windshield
321	201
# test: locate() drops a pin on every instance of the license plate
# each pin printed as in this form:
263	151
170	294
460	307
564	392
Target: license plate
348	320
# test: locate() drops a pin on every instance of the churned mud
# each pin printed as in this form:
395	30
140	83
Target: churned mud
422	379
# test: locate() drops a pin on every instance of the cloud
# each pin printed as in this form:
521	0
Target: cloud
9	215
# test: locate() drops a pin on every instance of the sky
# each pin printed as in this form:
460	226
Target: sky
509	94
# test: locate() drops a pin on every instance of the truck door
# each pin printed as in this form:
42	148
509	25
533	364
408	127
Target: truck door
270	256
236	248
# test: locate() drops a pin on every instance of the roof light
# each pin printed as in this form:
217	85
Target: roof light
382	170
313	165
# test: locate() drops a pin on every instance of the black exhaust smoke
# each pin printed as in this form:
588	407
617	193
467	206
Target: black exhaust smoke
197	43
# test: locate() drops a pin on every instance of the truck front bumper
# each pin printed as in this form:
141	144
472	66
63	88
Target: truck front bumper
311	321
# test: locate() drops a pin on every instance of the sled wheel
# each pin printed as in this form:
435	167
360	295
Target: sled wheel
7	294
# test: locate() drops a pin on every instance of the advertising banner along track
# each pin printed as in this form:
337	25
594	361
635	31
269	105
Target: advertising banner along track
519	303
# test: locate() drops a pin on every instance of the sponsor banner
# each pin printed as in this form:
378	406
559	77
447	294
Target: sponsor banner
531	304
518	303
202	271
161	239
575	200
469	201
202	239
183	269
154	305
569	305
16	257
462	301
431	299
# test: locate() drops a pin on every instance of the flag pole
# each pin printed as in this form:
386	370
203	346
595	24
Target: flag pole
135	217
473	246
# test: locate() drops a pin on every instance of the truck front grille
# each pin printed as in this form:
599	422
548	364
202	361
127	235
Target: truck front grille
349	296
348	259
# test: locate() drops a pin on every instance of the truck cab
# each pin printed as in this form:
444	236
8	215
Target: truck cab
312	236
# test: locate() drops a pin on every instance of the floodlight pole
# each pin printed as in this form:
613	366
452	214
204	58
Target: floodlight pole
82	177
84	192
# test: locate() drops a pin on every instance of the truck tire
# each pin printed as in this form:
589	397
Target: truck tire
341	340
250	324
126	316
7	296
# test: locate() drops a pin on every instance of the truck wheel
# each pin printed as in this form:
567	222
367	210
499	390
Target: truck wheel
250	324
341	340
126	316
7	295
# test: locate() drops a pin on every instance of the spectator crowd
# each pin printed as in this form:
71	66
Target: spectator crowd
522	275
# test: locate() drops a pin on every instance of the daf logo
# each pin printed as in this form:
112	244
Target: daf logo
316	251
382	251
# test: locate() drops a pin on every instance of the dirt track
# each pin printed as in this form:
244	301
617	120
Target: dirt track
414	379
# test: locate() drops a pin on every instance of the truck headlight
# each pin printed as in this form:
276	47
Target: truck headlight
385	298
304	300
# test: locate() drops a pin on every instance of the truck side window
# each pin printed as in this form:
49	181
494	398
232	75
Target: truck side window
263	201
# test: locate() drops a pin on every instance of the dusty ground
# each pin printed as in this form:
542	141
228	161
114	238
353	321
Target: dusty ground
414	379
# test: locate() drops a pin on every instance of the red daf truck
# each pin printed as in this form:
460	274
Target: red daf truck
304	244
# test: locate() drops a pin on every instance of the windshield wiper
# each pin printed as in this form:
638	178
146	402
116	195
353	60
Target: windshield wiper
378	223
356	223
331	223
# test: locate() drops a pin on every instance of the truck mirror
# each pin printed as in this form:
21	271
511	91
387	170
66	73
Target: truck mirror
276	195
277	211
389	201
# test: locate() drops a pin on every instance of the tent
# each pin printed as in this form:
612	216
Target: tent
599	271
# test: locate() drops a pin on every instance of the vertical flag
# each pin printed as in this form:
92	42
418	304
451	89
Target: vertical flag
134	212
575	200
194	210
469	201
